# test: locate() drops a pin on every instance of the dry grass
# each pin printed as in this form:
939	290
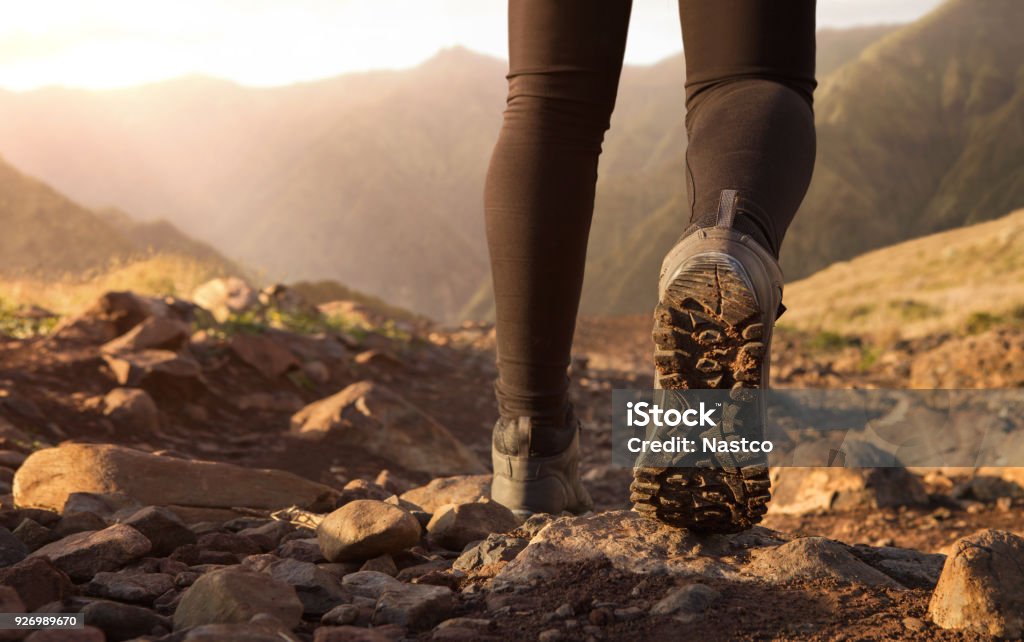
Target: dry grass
163	275
957	281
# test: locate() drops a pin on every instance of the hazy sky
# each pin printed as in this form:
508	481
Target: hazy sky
111	43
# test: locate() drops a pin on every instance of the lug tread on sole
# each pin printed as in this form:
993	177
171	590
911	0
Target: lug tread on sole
708	333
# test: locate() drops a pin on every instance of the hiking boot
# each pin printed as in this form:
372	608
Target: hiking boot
719	293
530	482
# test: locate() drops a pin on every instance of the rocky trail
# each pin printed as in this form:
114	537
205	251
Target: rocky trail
247	467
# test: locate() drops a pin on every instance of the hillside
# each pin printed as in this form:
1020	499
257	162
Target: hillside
54	252
969	279
923	132
352	178
45	232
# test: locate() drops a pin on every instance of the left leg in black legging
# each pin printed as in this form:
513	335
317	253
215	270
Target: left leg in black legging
564	64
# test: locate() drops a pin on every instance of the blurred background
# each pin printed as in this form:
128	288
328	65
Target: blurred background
342	146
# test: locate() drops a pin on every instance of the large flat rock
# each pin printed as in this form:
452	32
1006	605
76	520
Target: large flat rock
49	476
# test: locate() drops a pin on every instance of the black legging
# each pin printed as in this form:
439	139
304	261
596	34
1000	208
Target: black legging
749	85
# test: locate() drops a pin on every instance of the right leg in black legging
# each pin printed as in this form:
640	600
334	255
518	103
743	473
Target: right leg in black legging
564	64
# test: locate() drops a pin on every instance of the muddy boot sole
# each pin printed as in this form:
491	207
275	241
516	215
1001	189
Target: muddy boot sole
709	333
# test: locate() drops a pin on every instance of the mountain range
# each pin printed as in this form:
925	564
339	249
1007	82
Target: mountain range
375	179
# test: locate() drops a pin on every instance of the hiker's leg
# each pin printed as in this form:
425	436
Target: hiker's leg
564	64
749	85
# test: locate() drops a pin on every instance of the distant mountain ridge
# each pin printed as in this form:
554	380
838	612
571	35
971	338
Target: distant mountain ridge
47	235
376	179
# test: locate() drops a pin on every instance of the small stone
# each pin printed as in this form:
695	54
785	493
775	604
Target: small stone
128	586
493	550
12	549
628	613
816	558
264	354
34	535
382	564
914	624
124	621
550	635
79	522
982	586
366	528
362	489
155	333
416	606
83	555
233	596
162	528
318	590
132	409
461	489
229	543
340	615
456	525
686	603
37	581
304	550
564	611
369	583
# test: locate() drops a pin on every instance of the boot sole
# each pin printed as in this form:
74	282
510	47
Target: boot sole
709	334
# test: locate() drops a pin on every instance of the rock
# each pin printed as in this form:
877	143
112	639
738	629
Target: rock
989	360
13	458
318	590
378	421
162	528
910	568
369	583
263	354
37	581
50	475
382	564
340	615
84	634
461	489
155	333
101	505
798	491
113	314
130	586
234	596
10	601
12	549
366	528
349	634
34	535
456	525
493	550
416	606
815	558
132	408
79	522
362	489
159	371
229	543
982	586
124	621
303	550
627	541
686	603
83	555
223	297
